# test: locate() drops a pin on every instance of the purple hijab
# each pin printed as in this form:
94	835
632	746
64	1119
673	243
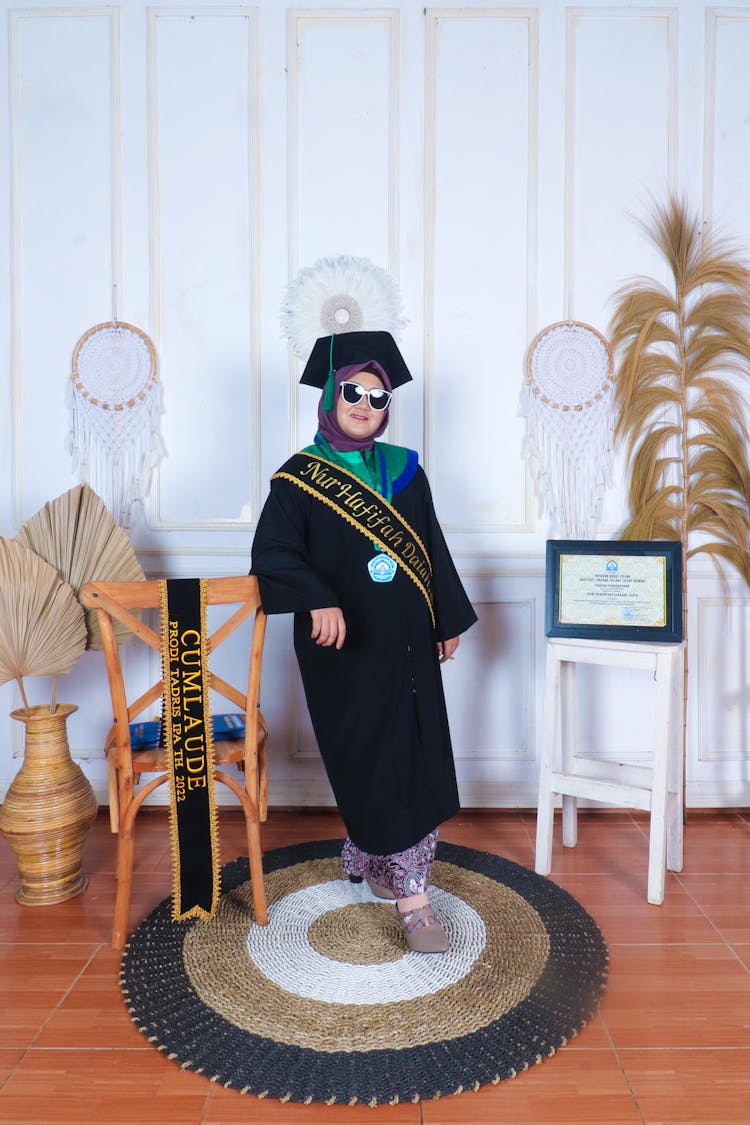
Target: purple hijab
327	424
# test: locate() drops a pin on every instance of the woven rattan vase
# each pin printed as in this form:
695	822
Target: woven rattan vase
48	810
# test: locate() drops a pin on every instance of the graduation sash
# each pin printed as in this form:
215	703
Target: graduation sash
188	744
364	509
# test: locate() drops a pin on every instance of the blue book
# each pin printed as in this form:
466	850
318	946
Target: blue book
145	736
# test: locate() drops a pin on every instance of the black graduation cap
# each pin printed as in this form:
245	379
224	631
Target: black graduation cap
355	347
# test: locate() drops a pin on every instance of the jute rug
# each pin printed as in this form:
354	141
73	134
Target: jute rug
327	1004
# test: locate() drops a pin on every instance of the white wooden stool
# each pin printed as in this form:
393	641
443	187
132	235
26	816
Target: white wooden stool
656	788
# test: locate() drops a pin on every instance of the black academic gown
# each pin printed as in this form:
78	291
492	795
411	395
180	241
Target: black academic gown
377	705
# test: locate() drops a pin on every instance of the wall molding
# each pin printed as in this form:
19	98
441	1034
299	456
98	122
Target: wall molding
707	606
16	20
159	521
491	794
299	21
435	17
574	17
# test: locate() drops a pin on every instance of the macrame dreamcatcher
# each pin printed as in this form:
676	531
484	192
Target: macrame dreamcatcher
115	409
567	399
336	295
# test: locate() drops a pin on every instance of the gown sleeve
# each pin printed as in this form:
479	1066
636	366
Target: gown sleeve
454	613
280	558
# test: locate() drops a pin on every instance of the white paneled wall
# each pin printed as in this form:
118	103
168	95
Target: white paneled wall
480	157
176	165
621	134
204	146
66	220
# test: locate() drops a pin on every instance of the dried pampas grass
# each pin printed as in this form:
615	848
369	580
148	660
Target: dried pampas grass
681	409
78	536
684	354
42	625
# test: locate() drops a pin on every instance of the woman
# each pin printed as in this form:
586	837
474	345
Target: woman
348	541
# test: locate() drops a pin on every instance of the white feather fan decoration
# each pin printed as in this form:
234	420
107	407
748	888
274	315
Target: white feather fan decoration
342	294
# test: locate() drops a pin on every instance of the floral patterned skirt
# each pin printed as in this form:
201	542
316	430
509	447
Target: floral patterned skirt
406	873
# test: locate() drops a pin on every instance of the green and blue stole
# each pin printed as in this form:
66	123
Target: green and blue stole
364	509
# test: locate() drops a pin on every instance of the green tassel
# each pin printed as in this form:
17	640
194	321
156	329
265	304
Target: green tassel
328	394
328	389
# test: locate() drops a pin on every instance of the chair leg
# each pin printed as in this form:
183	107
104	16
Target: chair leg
568	749
674	832
569	820
546	800
113	784
676	768
125	849
255	859
657	851
262	783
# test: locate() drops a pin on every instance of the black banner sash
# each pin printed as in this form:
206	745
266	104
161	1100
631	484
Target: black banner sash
189	749
367	511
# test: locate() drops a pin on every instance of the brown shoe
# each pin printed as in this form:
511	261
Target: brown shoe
423	931
380	891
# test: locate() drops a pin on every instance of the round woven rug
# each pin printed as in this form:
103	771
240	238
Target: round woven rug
328	1004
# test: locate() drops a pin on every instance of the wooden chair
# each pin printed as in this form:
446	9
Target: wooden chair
116	601
655	787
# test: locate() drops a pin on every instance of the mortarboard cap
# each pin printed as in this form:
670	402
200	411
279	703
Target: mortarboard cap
355	347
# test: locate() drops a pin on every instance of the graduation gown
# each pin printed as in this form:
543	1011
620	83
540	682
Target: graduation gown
377	704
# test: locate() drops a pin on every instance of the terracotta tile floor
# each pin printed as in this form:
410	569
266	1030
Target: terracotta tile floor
671	1043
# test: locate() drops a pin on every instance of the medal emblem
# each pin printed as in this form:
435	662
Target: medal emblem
382	568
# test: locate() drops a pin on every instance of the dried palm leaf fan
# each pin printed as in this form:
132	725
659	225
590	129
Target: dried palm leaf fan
115	410
42	625
78	536
336	295
567	399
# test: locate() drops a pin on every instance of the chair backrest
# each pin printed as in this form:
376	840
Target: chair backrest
118	601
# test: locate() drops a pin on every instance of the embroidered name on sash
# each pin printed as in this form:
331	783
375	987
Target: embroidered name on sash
364	509
189	749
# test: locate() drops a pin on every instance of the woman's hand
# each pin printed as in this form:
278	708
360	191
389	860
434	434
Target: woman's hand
328	626
447	648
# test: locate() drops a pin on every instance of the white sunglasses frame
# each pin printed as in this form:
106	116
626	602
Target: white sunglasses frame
364	392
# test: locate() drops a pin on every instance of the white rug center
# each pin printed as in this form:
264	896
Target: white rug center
283	953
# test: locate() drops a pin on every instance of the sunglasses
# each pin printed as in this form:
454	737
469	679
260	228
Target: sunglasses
353	393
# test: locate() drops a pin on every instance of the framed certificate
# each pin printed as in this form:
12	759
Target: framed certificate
623	590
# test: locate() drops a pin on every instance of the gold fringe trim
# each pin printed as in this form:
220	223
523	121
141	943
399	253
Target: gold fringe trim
166	718
210	762
178	915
